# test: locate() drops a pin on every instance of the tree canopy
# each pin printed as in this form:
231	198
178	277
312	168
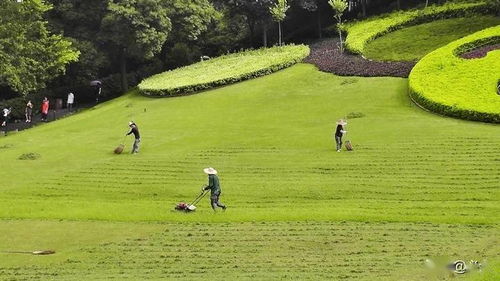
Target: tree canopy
30	55
136	28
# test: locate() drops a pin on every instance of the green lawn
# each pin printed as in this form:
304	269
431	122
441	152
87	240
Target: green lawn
251	251
412	43
271	140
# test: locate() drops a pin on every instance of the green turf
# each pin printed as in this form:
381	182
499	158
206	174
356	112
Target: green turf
359	33
254	251
412	43
271	140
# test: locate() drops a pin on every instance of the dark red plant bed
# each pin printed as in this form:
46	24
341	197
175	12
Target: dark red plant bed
327	57
480	52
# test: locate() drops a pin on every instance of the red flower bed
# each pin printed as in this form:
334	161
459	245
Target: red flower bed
328	58
480	52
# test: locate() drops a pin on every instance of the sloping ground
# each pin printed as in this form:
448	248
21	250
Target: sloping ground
414	42
465	88
260	251
271	140
362	32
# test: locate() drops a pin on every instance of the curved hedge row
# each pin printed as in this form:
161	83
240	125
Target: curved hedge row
463	88
223	70
362	32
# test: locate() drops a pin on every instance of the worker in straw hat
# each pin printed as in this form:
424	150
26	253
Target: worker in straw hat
339	133
134	130
214	186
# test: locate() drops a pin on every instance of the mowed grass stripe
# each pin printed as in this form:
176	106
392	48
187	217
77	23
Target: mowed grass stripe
271	140
273	250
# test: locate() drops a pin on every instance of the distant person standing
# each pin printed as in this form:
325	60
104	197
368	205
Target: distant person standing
134	130
28	111
45	109
98	90
5	116
70	101
339	133
214	186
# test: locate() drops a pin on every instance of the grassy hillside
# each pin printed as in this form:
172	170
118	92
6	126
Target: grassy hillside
417	186
412	43
359	33
271	139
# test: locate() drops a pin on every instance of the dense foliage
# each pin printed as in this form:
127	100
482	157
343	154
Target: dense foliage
135	28
464	88
362	32
223	70
30	55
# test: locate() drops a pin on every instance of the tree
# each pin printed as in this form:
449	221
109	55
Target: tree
278	12
339	7
135	29
256	13
189	18
80	21
314	6
30	55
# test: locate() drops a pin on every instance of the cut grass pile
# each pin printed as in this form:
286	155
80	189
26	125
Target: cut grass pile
223	70
361	32
413	43
465	88
247	251
287	189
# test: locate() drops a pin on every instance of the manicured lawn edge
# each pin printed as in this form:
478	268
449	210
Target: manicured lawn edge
298	53
424	88
361	32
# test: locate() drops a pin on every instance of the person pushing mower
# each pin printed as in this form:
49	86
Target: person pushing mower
214	186
134	130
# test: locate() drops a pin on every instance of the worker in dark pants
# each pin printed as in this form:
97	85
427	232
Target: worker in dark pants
214	186
339	133
134	130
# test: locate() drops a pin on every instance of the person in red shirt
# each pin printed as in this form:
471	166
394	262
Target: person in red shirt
45	109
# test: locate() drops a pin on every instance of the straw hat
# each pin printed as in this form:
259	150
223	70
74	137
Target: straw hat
210	171
341	122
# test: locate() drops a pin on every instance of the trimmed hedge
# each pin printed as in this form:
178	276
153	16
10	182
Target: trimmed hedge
361	32
445	83
223	70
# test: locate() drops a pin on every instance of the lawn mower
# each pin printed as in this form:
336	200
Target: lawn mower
185	207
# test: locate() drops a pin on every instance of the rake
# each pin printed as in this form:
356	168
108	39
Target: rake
36	253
